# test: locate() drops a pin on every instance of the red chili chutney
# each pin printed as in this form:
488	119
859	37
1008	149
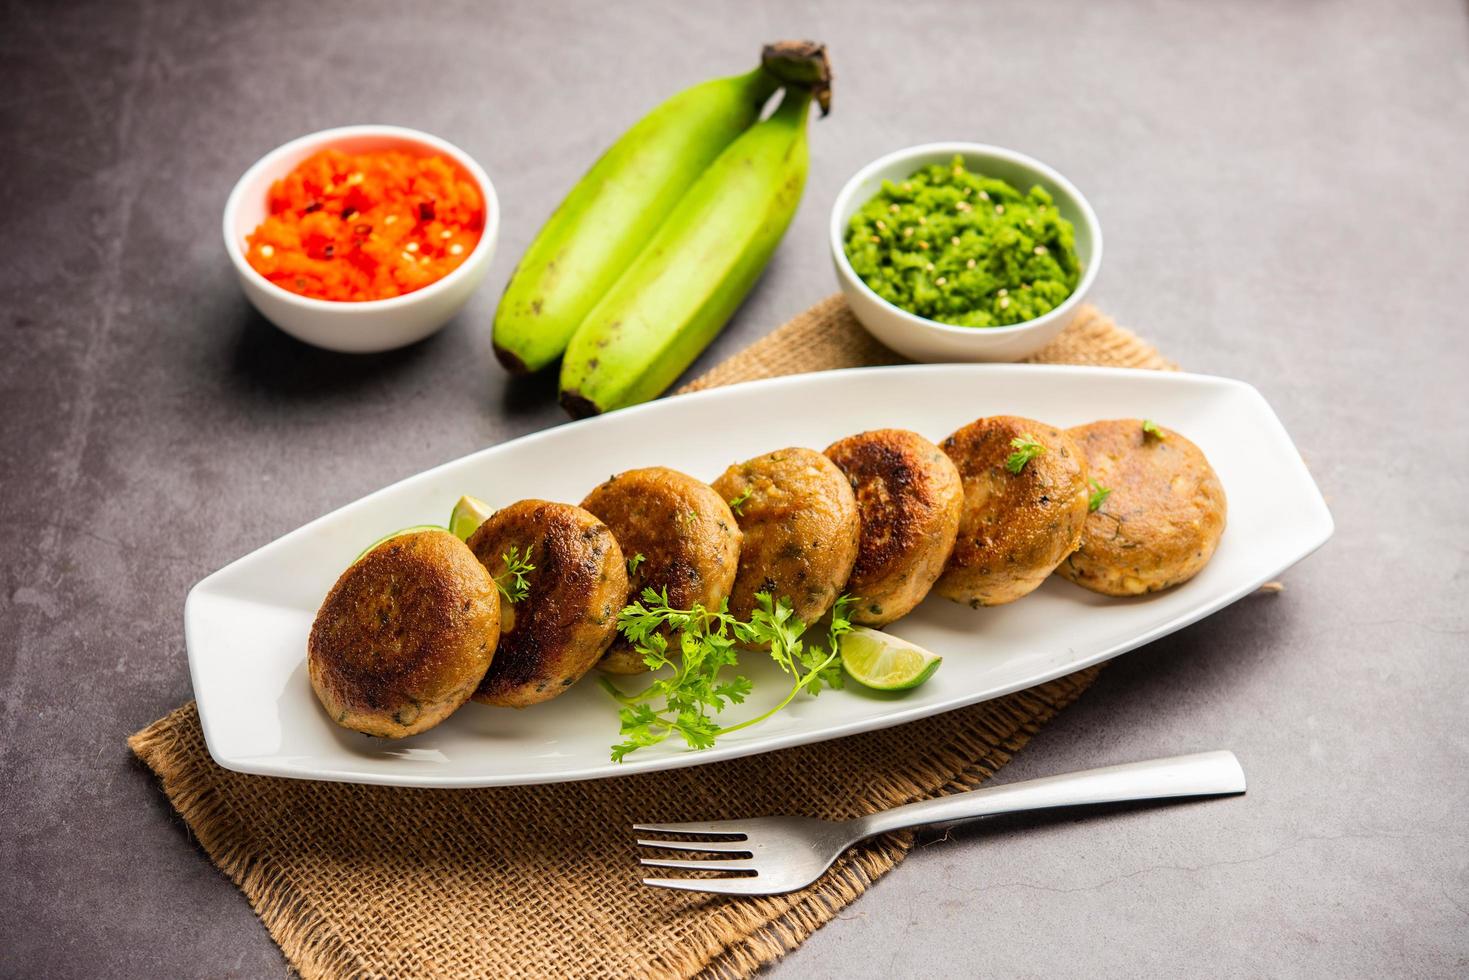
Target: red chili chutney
357	227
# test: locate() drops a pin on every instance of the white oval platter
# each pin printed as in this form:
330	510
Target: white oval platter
246	624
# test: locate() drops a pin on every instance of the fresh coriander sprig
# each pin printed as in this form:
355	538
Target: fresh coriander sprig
517	566
1098	495
1026	449
739	502
684	701
1150	428
810	666
634	562
680	703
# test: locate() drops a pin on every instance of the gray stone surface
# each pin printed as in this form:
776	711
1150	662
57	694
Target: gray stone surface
1283	192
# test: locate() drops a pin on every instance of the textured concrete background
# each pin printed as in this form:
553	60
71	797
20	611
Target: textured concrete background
1283	191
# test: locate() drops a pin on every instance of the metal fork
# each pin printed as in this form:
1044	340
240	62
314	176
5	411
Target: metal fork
787	853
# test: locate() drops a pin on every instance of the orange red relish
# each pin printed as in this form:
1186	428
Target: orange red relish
365	226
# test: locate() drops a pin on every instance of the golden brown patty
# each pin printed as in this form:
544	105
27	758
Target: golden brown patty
404	636
688	540
562	626
909	498
801	530
1162	521
1016	527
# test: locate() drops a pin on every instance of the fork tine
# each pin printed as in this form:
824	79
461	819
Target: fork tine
745	864
698	845
719	886
719	827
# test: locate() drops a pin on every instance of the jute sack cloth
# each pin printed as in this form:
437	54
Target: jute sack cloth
542	881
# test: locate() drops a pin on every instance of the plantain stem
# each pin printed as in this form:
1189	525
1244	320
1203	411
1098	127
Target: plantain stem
803	64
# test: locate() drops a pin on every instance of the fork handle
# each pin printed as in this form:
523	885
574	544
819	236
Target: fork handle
1201	774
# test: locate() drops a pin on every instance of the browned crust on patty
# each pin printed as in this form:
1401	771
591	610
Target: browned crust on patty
910	498
801	530
404	636
563	625
686	534
1163	519
1016	527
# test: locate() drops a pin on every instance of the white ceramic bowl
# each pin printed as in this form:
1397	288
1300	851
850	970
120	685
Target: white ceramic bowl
375	325
921	339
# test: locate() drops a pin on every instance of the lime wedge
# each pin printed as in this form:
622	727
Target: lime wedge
468	515
389	537
886	663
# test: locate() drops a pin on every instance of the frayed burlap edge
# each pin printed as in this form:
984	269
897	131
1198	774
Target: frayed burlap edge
827	337
306	938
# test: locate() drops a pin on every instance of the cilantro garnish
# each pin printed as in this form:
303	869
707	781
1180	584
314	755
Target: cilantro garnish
1098	495
739	501
1026	449
703	645
516	568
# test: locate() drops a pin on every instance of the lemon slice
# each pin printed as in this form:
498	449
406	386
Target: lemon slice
468	515
389	537
886	663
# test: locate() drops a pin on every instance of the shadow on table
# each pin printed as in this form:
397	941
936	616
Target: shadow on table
268	359
530	395
1207	659
1212	659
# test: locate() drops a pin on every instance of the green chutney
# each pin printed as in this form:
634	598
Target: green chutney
964	249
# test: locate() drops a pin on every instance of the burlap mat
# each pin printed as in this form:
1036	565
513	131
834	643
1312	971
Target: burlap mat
543	880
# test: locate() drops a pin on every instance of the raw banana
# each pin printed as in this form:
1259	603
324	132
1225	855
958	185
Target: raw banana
687	281
614	210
